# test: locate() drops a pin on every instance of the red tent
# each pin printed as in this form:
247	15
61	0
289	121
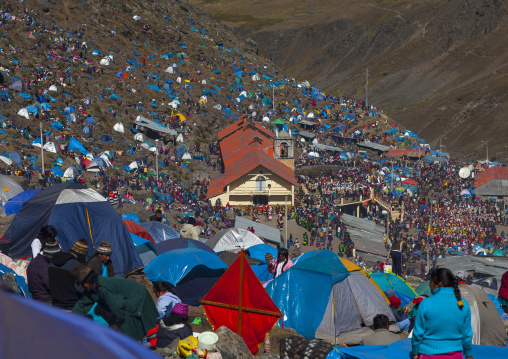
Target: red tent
410	181
136	229
239	301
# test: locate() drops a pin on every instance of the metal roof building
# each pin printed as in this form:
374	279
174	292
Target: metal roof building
374	146
498	188
144	122
367	235
327	148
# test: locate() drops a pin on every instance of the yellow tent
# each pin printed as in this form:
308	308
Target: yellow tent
181	117
202	101
350	266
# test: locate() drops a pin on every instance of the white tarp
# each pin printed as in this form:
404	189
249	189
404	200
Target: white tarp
179	138
53	88
186	156
6	160
139	137
24	113
118	128
235	238
71	172
50	147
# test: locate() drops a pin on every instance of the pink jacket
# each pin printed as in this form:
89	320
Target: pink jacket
273	268
503	290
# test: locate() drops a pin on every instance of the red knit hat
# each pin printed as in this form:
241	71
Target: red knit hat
394	301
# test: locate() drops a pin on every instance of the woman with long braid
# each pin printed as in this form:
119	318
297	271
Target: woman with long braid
442	327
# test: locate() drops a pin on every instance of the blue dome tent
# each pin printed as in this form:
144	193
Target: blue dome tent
159	231
179	243
76	212
192	271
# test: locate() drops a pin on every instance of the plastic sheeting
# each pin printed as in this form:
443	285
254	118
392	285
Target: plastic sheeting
77	335
160	232
303	291
132	216
401	350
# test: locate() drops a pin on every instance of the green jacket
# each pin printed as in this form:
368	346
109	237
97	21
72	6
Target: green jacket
96	264
130	303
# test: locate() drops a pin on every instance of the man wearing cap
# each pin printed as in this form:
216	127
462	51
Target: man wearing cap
101	261
37	272
61	282
132	309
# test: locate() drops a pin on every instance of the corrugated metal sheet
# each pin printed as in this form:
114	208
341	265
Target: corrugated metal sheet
306	134
367	235
327	148
144	122
306	123
493	188
263	231
495	267
492	173
374	146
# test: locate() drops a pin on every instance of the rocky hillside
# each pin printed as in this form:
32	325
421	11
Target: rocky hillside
109	62
438	67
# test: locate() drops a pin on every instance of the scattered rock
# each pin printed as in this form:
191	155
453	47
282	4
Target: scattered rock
231	345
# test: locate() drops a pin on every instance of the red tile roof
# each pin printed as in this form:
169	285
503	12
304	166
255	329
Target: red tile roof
245	146
492	173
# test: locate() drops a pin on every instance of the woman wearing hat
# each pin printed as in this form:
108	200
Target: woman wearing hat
132	309
101	262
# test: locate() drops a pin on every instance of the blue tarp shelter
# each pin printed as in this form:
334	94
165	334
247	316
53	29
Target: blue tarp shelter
15	157
76	145
77	212
192	271
259	250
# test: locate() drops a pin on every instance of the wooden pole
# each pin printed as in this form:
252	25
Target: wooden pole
242	257
248	310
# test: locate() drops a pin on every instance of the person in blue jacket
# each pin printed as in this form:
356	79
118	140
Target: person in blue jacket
442	326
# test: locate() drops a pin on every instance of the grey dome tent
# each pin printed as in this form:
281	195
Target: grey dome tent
16	86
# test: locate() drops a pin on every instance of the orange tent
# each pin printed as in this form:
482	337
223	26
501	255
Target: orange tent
139	231
239	301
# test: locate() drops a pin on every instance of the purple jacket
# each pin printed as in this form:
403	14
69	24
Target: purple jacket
38	278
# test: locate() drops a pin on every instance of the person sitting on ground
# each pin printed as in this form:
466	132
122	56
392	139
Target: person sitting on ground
174	327
61	282
166	299
157	217
132	309
443	322
398	312
46	234
37	273
281	264
381	335
101	261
